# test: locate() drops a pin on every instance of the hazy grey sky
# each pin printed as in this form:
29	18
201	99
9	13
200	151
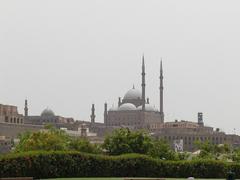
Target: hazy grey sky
69	54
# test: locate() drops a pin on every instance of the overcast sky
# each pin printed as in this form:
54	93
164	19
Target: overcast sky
68	54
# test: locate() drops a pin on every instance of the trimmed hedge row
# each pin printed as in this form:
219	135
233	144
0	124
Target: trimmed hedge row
75	164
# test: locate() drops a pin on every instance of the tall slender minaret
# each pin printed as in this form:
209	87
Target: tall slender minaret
93	114
143	84
161	93
105	113
26	108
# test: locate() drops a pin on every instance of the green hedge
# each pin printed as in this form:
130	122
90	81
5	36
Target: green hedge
74	164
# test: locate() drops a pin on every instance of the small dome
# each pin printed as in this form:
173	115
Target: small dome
127	107
148	107
47	113
133	94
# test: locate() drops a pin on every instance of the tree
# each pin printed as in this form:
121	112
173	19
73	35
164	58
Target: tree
83	145
124	141
50	139
162	150
213	151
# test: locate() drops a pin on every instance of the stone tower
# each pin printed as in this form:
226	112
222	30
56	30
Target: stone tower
26	108
200	119
105	113
161	93
143	84
93	114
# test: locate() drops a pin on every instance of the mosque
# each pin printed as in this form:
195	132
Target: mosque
134	110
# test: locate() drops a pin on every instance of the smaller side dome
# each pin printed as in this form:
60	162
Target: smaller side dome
47	113
127	107
148	107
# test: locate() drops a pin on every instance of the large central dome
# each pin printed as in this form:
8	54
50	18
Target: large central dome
133	94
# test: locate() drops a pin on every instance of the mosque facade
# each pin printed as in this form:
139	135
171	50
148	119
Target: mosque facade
134	110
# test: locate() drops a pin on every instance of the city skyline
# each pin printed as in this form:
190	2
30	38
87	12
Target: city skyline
69	61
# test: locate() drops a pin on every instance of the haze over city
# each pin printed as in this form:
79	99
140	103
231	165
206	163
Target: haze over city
68	55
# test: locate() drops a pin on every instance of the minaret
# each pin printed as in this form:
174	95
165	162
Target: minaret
26	108
119	101
200	119
105	114
93	114
143	84
161	93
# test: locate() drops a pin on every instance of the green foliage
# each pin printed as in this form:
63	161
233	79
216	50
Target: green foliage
213	151
162	150
183	155
236	155
52	139
74	164
124	141
83	145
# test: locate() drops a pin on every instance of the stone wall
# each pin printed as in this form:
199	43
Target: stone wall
13	130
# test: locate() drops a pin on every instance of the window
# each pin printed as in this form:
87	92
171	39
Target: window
6	119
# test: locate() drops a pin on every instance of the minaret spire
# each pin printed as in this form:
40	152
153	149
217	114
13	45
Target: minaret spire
143	84
93	114
161	92
26	108
105	113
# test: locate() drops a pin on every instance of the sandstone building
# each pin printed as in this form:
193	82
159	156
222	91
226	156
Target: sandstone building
134	110
47	117
9	114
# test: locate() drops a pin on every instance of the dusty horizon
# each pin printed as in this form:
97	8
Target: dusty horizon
66	55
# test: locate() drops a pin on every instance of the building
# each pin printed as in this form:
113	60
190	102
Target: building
9	114
12	123
47	117
134	110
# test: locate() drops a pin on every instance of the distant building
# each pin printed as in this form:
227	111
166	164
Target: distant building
83	131
9	114
47	117
134	111
190	132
